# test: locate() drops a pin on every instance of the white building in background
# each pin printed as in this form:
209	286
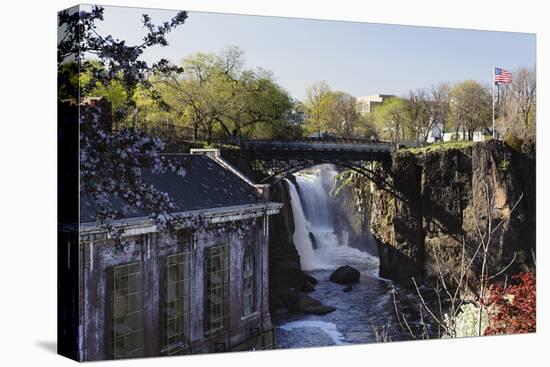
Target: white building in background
366	104
436	134
478	136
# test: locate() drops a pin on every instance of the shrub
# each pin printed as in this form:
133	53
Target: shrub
467	321
504	165
514	141
514	307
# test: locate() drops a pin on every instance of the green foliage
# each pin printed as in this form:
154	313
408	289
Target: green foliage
436	147
365	127
316	106
467	321
471	106
332	112
514	141
392	119
67	80
217	97
504	165
343	180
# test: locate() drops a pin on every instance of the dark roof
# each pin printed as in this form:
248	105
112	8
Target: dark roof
205	185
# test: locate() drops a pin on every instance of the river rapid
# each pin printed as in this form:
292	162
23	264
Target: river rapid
322	249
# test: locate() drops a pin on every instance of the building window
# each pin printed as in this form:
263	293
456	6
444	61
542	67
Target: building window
176	284
127	311
176	299
249	282
217	289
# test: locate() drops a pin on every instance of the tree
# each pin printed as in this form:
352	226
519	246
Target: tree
516	105
392	119
420	112
341	114
111	163
199	91
316	105
523	91
441	104
256	99
428	109
471	107
365	127
295	117
221	96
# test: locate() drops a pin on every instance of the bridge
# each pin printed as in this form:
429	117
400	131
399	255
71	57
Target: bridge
315	148
279	157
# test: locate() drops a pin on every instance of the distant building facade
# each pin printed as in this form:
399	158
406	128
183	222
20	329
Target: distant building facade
479	135
366	104
436	133
201	288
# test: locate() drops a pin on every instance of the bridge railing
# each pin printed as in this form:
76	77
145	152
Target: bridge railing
317	145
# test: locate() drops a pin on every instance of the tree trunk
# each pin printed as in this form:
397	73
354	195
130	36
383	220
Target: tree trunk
195	130
208	134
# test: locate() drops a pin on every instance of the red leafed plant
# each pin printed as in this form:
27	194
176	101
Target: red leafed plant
514	306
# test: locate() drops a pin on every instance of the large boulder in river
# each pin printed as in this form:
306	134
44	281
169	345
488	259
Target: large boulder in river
310	279
307	304
345	275
309	283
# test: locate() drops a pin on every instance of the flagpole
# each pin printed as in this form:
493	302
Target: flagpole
493	95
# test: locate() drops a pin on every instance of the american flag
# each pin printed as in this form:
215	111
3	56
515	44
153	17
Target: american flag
502	76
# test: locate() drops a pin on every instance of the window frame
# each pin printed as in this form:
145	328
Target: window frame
222	290
252	278
135	334
184	252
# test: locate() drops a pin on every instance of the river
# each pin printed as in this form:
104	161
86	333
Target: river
368	304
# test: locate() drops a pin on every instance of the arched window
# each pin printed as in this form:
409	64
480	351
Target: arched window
249	282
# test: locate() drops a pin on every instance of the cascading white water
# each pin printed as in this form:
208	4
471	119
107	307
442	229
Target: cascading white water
312	213
315	199
301	231
322	242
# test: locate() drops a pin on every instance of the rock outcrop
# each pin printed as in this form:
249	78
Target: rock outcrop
350	200
307	304
436	202
345	275
286	279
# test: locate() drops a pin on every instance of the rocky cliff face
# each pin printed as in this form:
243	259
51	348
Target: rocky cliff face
285	276
443	199
350	200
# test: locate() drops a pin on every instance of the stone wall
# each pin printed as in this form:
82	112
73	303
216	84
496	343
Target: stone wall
98	258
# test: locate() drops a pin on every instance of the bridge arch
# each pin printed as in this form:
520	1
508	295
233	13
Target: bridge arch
275	158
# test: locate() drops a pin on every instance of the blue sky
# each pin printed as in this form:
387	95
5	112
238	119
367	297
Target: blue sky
358	58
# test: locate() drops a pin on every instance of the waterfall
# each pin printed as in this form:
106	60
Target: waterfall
301	238
315	198
314	235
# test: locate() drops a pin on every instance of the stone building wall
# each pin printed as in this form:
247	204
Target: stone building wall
98	258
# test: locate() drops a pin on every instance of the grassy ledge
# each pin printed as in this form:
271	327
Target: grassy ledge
436	147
